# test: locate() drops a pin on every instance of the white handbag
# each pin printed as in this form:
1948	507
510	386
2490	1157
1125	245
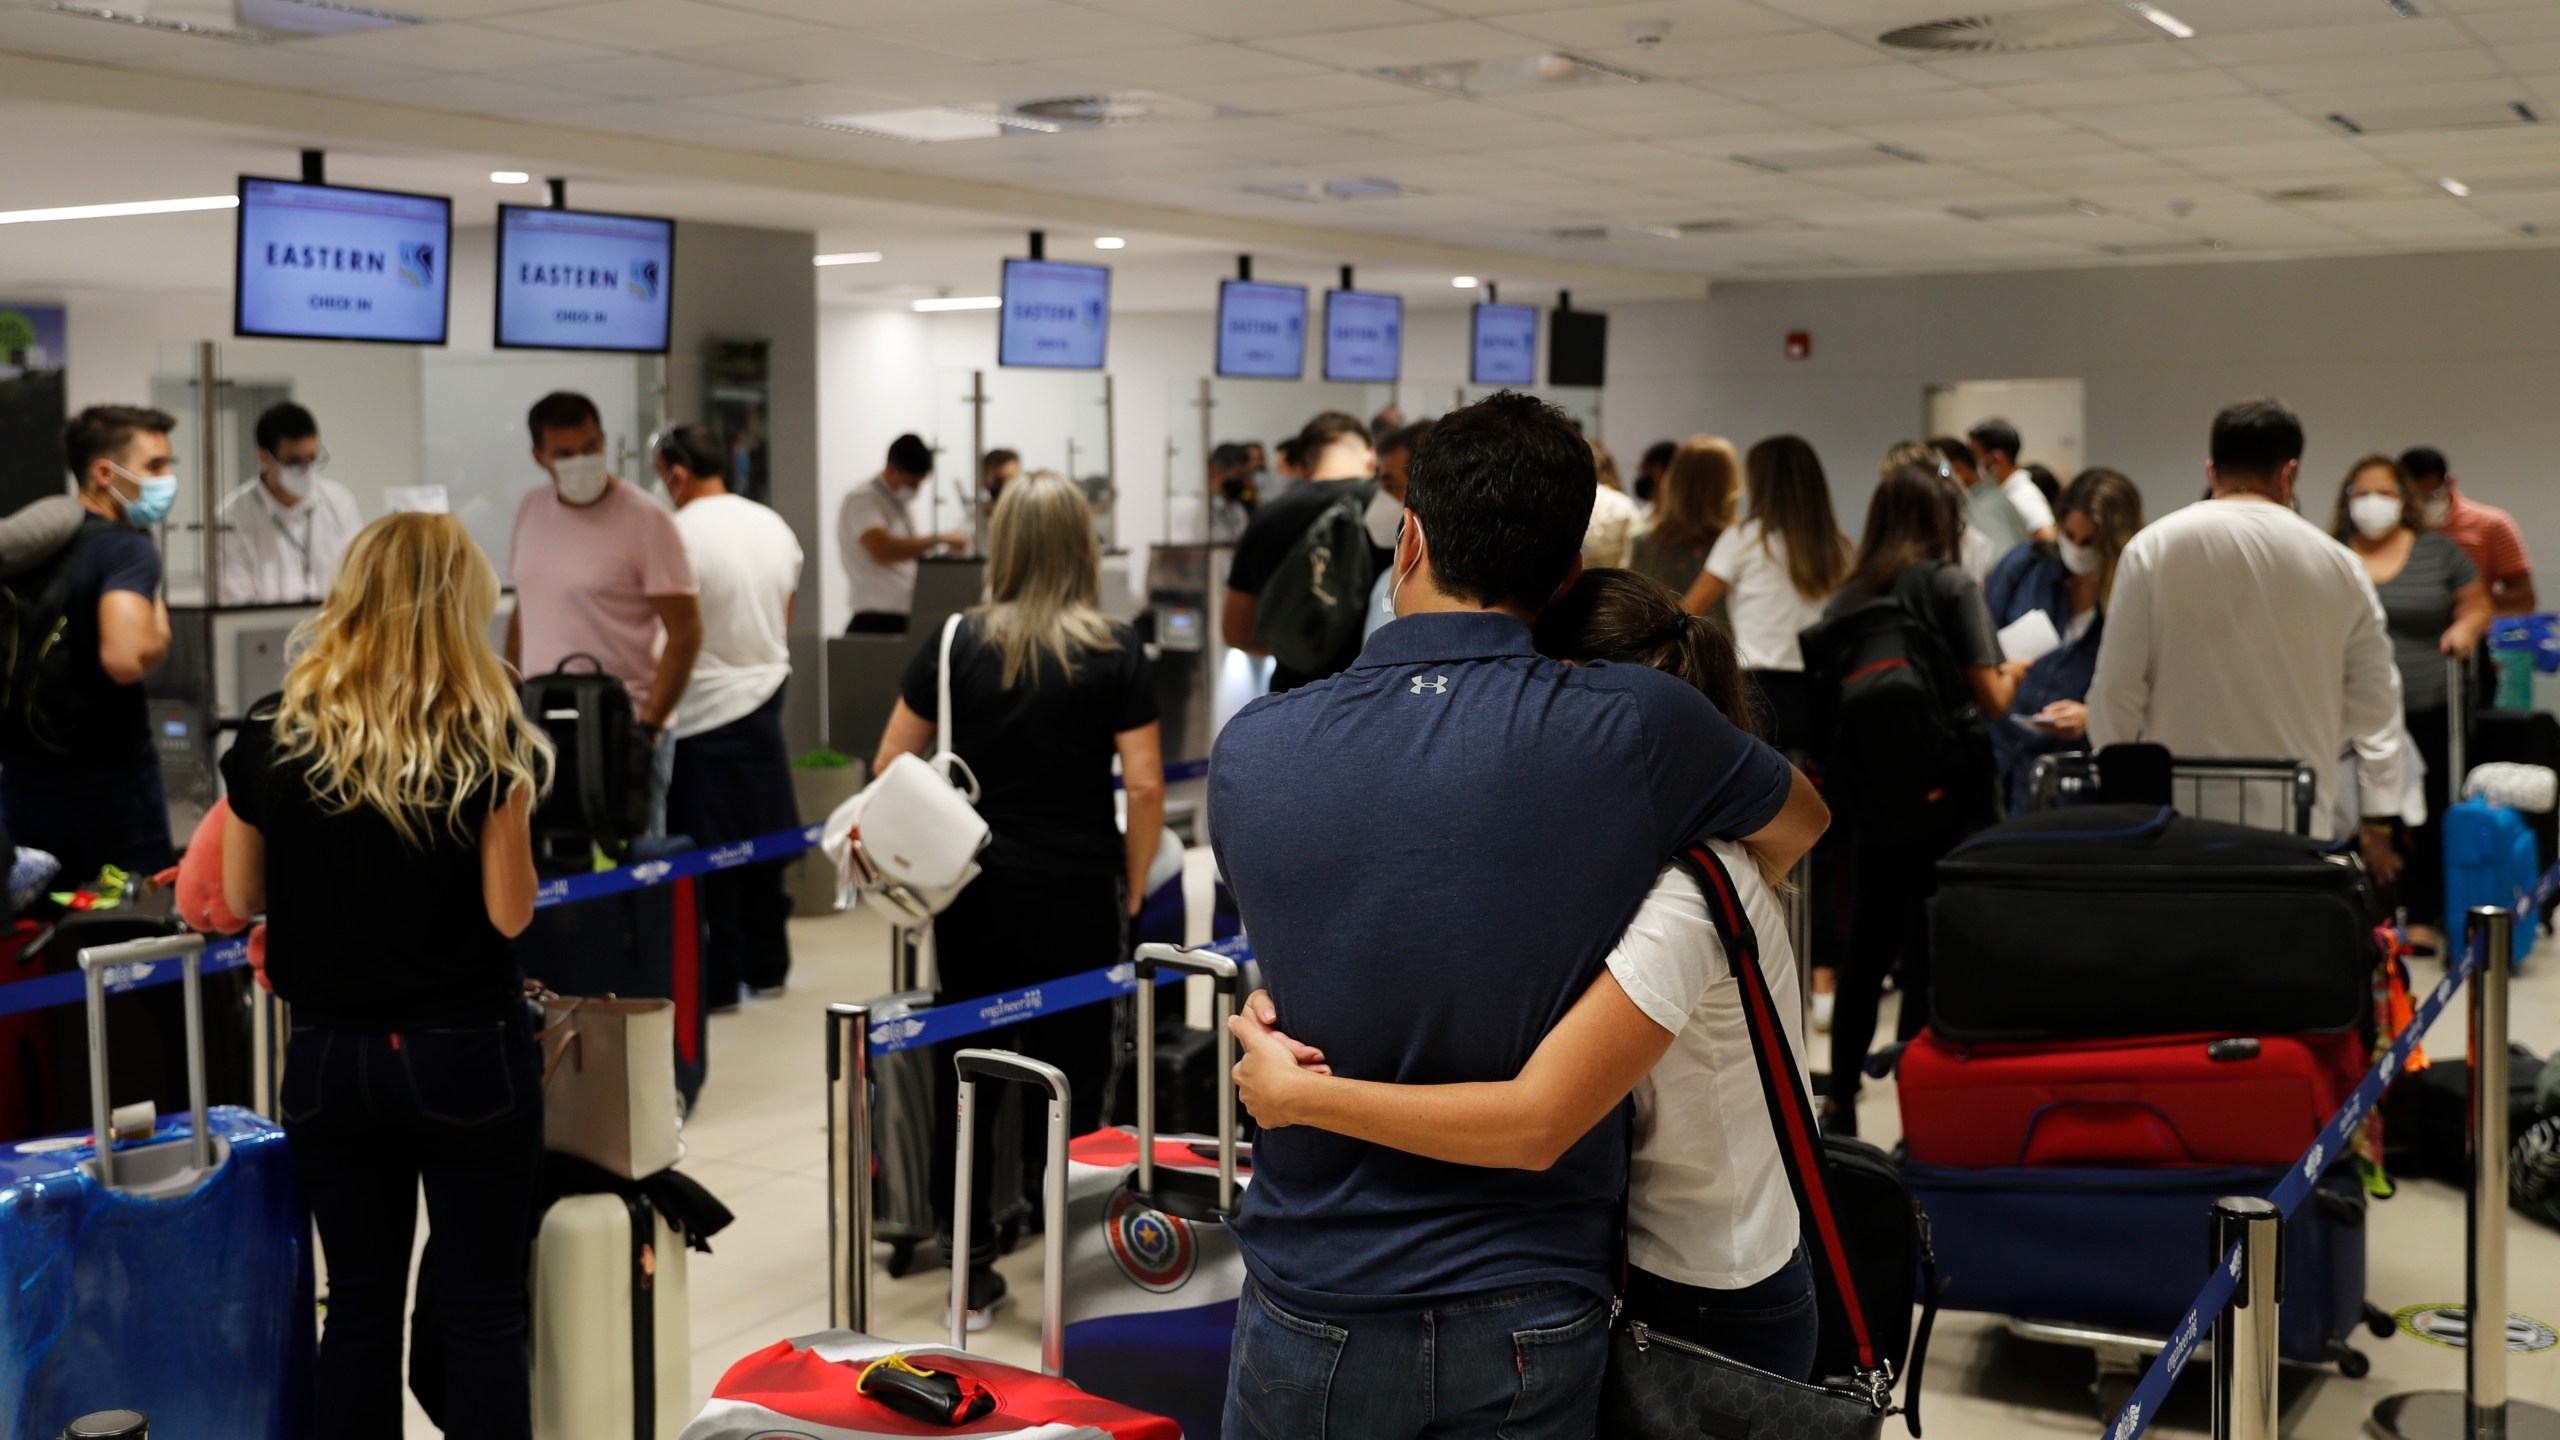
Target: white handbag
912	837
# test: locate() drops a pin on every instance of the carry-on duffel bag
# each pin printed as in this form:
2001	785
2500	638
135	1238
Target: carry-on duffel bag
2108	920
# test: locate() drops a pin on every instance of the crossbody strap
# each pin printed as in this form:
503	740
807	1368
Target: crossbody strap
1790	1109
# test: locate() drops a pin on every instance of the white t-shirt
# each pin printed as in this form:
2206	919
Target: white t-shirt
877	588
272	554
1976	554
2027	500
1612	529
747	563
2239	629
1707	1197
1767	610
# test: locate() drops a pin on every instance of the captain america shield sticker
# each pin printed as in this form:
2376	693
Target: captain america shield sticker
1154	1250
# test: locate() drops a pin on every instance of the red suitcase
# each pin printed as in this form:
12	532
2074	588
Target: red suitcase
2168	1100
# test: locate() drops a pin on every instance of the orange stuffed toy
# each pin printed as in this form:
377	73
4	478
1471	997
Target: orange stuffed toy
199	882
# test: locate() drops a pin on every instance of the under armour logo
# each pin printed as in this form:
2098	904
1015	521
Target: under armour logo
1431	685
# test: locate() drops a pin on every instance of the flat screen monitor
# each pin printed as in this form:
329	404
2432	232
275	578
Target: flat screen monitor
330	262
1262	330
1506	345
1056	316
1577	347
578	280
1363	337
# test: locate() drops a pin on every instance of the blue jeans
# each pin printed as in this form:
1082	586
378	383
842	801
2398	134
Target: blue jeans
1773	1324
1521	1366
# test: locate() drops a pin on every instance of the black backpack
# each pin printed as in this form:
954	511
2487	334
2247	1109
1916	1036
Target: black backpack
600	779
1313	604
40	547
1898	737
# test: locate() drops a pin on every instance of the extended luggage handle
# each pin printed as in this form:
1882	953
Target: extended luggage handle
1006	1066
1222	973
95	963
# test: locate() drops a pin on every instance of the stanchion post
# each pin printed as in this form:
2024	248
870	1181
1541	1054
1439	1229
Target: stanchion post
2245	1333
2482	1411
849	1167
2457	724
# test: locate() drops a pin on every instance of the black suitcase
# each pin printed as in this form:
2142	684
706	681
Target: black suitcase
2108	920
640	945
146	1029
2426	1119
2523	737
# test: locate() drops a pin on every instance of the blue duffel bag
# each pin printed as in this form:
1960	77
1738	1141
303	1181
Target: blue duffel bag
2128	1249
179	1285
2490	858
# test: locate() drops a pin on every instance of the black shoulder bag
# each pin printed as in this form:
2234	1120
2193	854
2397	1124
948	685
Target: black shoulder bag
1664	1388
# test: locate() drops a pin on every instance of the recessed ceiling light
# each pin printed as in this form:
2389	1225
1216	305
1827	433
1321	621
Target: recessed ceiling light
2454	188
2178	29
509	177
960	302
129	207
1109	242
1462	282
849	257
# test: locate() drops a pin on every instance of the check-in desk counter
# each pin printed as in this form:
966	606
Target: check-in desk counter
1200	679
863	670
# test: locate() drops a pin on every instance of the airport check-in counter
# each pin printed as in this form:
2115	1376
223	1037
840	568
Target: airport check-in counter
863	670
1200	679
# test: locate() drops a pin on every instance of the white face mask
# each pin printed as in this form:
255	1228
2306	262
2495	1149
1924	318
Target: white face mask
1384	517
2077	558
294	480
2374	516
2436	508
581	478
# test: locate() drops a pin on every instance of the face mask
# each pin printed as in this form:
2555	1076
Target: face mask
581	478
2436	508
2374	515
1384	517
159	492
2077	558
294	480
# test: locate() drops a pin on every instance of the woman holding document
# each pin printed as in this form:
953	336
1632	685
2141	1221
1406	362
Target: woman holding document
2050	604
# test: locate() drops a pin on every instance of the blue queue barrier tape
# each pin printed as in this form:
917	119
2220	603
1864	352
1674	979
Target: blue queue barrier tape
2333	1140
964	1018
52	990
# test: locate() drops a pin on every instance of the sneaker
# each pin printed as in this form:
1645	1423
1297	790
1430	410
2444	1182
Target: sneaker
988	1296
1823	1000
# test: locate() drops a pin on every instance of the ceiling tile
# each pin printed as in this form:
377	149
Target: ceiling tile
794	103
461	49
2539	22
984	85
651	25
1055	33
1197	64
282	69
1857	109
71	37
859	14
1583	27
2319	42
1866	79
2086	93
1441	41
2223	17
478	95
1677	59
1260	19
645	77
2398	68
826	58
664	122
1324	91
2135	57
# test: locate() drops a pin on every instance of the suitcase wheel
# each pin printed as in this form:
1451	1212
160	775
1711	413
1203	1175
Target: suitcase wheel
2380	1321
902	1258
2350	1361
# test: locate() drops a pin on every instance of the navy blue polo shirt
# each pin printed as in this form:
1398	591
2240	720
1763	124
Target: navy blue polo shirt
1434	851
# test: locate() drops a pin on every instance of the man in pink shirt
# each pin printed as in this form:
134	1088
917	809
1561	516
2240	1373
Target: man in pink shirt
599	569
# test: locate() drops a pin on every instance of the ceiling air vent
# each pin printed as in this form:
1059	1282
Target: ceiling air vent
2487	115
1579	234
2015	33
1095	112
1512	75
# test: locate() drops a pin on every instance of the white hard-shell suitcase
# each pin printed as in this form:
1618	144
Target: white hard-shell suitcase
612	1332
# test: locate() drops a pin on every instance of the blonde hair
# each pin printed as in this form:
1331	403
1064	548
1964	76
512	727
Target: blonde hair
1044	576
1693	502
396	700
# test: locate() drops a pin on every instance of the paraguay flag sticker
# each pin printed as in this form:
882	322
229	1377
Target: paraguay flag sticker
1155	1250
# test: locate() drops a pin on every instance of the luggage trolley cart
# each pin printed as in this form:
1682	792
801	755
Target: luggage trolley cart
2269	794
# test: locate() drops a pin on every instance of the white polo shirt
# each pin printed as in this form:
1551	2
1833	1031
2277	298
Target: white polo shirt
275	554
877	588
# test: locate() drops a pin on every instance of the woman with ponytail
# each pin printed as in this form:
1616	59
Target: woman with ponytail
1712	1255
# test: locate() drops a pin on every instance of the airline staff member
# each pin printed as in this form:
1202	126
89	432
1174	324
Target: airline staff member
281	537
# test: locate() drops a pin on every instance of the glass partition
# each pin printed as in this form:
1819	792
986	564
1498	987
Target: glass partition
472	409
1205	413
1054	419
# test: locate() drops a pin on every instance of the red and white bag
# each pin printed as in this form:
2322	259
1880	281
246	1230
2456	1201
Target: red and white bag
806	1388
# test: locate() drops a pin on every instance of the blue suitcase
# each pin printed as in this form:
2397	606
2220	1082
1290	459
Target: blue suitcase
2128	1249
178	1283
2490	858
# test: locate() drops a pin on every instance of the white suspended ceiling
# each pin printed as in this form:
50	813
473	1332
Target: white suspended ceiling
1754	137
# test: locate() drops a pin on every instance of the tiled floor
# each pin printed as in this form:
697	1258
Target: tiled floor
756	1141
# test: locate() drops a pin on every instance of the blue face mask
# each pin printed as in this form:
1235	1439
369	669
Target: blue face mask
159	492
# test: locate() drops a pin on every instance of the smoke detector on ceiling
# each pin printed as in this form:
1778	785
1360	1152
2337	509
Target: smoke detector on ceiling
2015	33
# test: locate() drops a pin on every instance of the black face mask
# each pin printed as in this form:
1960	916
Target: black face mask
1235	486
